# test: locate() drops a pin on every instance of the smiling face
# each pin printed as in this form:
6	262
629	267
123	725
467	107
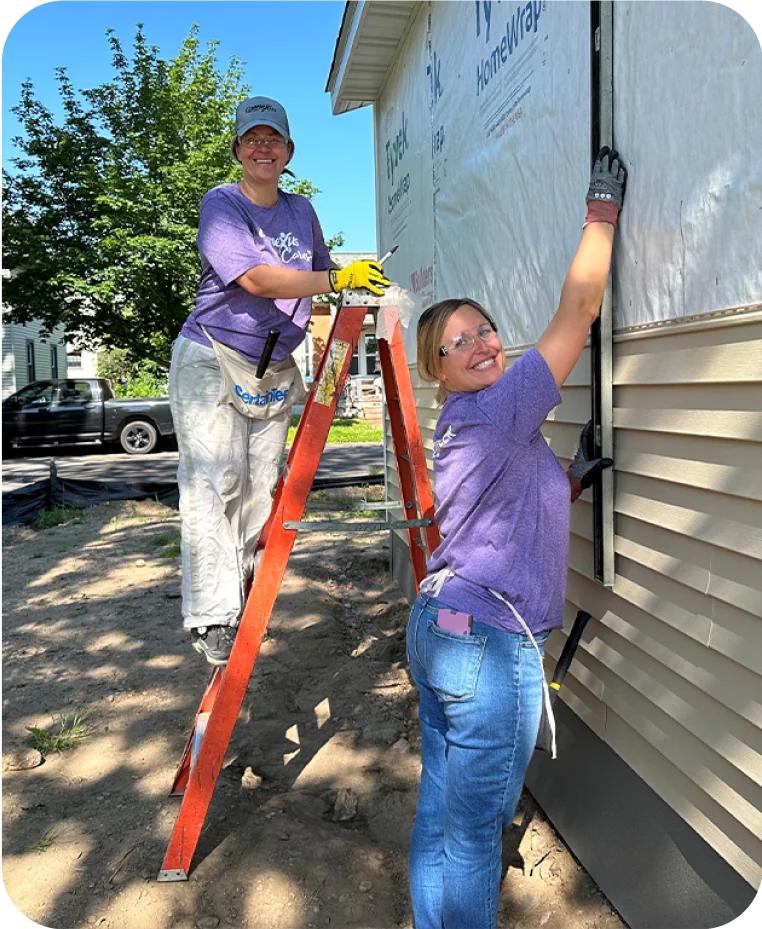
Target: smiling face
263	165
476	367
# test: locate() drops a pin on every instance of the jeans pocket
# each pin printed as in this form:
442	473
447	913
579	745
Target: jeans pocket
452	663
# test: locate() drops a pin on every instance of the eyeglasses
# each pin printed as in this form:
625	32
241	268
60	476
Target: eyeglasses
465	341
269	141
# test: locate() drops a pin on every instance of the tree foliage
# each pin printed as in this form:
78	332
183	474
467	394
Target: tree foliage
130	379
101	209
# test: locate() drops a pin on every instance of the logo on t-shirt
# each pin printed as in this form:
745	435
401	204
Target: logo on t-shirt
287	246
440	443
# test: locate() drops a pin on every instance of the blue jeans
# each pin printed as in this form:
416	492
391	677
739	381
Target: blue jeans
480	707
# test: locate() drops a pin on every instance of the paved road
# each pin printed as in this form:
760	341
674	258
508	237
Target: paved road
92	465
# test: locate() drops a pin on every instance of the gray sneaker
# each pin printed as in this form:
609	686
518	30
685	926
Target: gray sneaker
215	642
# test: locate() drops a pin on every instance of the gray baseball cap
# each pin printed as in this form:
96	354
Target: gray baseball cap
261	111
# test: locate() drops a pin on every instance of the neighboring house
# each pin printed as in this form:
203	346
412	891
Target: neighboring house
482	118
28	356
362	396
81	363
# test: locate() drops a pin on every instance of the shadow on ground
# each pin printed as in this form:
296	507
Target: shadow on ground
92	623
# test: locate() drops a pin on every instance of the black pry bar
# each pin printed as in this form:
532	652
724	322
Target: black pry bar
570	647
272	337
544	735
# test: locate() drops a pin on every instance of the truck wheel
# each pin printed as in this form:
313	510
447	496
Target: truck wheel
138	437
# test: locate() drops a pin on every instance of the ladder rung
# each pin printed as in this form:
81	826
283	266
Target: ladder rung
391	505
336	526
360	506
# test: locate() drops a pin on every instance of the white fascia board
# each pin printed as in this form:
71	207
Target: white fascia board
367	45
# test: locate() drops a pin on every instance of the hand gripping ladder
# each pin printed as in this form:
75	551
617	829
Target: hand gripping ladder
209	738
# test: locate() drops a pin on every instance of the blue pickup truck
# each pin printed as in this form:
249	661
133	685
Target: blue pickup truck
83	411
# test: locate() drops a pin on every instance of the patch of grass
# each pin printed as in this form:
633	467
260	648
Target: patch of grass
356	514
72	730
169	541
354	430
345	430
38	554
56	517
166	538
43	844
333	501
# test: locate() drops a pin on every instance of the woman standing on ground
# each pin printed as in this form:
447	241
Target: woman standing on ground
496	584
263	258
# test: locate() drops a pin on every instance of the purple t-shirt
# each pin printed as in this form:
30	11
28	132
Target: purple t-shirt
502	500
234	235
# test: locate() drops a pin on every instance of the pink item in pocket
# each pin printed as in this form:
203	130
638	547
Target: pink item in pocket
453	621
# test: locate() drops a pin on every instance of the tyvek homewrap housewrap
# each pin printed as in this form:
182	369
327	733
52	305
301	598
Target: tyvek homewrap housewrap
690	239
483	155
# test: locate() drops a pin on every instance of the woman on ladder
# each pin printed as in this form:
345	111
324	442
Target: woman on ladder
263	258
496	584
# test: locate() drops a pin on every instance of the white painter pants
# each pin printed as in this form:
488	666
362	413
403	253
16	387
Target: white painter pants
227	472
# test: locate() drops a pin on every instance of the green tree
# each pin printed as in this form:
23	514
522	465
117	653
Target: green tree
101	210
130	379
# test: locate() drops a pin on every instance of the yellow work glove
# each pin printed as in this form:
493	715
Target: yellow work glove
367	274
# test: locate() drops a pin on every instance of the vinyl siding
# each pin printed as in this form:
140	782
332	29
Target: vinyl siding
15	337
669	672
9	364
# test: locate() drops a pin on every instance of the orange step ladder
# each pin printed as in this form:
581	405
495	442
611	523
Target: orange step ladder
210	736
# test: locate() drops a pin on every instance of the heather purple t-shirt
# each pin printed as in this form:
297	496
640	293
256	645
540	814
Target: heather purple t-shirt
502	501
234	235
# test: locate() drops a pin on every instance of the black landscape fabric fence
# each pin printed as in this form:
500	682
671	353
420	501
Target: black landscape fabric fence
26	503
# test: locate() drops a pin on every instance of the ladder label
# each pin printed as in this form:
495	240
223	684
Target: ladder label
329	379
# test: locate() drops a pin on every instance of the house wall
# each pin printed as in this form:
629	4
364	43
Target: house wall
15	337
82	363
9	365
665	693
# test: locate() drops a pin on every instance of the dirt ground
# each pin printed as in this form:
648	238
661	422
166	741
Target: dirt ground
310	820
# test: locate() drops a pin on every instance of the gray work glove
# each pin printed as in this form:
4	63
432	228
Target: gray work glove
608	179
585	468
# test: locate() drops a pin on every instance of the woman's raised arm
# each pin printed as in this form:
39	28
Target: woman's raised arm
562	342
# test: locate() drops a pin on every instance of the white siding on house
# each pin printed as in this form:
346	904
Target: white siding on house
669	672
9	365
15	338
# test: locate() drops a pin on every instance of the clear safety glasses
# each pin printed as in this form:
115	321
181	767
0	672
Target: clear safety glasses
465	341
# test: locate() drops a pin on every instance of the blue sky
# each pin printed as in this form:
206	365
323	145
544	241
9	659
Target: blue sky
287	46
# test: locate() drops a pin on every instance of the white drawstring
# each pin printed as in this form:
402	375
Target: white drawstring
545	688
433	583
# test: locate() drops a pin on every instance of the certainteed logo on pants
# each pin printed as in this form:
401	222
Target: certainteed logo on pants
272	396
